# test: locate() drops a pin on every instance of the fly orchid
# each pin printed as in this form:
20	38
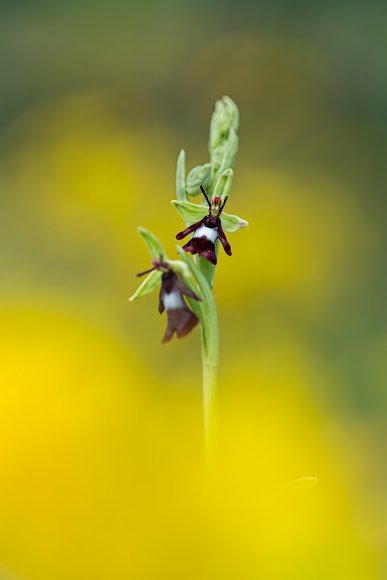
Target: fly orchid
181	279
180	318
207	231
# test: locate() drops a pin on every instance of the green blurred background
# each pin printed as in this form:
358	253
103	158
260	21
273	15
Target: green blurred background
100	426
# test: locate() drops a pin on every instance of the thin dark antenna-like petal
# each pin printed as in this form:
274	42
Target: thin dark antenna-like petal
205	195
222	206
146	272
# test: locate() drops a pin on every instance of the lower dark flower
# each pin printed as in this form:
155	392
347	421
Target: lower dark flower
181	319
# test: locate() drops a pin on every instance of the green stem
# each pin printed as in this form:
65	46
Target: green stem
210	366
210	372
210	355
223	147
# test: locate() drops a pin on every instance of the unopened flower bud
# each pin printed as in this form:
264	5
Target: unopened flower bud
225	117
223	156
199	175
223	184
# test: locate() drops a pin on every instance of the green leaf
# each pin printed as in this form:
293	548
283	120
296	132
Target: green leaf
151	282
199	175
154	246
192	213
180	177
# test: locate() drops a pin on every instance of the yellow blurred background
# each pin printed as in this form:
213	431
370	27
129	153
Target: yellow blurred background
101	443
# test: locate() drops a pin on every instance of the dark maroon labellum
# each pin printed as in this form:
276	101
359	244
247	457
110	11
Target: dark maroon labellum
181	320
207	231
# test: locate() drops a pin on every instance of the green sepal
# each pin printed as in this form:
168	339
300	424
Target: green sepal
199	175
151	282
154	245
233	223
192	213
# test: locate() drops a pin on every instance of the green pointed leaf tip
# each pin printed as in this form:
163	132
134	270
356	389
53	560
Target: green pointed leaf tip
180	177
153	244
200	175
151	282
192	213
225	117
